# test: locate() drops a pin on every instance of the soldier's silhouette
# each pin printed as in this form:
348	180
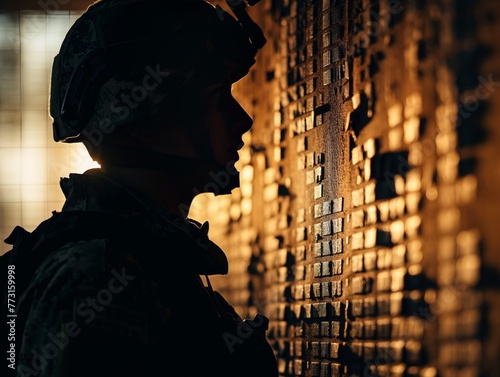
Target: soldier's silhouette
112	284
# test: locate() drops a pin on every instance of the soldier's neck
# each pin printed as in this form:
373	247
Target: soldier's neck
169	191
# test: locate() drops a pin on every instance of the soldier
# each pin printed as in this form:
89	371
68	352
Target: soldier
112	285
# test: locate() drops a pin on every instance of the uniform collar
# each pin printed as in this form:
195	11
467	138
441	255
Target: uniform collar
94	191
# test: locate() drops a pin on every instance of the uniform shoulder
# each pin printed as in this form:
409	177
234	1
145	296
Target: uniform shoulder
75	265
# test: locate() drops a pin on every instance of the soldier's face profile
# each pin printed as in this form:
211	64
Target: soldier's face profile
215	123
225	120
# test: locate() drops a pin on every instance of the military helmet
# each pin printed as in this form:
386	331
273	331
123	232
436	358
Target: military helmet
123	58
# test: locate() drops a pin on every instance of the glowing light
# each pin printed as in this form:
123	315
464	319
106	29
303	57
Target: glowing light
399	184
277	136
426	372
356	100
370	238
32	212
412	202
367	170
397	279
370	148
469	267
247	173
412	226
27	150
395	138
271	192
33	168
411	130
235	212
245	156
383	211
277	154
396	207
395	114
413	106
396	303
269	176
80	160
246	189
413	180
246	206
370	193
397	231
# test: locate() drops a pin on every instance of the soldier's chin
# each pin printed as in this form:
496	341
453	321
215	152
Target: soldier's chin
222	179
234	183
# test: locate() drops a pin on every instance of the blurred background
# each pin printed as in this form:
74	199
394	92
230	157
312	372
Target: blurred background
31	163
365	227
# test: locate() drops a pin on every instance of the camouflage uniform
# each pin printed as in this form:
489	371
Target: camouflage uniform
128	299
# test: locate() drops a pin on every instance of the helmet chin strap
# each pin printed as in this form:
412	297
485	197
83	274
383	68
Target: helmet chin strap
213	177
